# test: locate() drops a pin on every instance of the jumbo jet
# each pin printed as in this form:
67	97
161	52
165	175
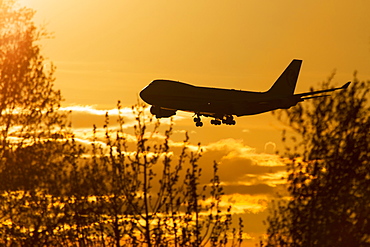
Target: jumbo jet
167	97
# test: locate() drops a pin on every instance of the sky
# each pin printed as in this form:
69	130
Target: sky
109	50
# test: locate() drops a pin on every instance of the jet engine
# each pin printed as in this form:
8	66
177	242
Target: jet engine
160	112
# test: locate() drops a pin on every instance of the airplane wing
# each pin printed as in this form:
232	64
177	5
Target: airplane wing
322	91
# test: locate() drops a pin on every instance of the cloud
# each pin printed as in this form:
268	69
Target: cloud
242	203
126	111
240	164
241	169
255	189
85	116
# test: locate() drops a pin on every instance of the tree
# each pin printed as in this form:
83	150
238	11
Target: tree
329	174
33	150
28	100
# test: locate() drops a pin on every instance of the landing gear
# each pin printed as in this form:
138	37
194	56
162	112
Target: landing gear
229	120
215	122
198	121
199	124
220	119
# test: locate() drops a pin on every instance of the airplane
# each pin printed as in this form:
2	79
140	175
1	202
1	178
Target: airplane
167	96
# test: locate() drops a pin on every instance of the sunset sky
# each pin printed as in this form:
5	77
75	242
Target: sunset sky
109	50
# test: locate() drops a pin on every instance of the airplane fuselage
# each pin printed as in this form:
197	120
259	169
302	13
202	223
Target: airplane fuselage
172	95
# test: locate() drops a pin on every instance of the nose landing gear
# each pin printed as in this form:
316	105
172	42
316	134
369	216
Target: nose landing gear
198	122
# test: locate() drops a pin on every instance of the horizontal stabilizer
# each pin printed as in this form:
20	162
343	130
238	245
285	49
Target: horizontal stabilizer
324	91
346	85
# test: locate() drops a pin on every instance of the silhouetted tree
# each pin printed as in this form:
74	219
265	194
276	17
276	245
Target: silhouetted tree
28	101
33	147
329	174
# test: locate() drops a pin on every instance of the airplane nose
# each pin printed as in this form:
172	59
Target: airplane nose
144	94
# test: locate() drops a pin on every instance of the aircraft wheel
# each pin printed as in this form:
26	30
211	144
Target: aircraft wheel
215	122
199	124
230	122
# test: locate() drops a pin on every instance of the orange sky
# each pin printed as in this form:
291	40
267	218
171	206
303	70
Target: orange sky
109	50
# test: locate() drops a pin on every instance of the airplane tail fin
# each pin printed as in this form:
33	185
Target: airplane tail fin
287	81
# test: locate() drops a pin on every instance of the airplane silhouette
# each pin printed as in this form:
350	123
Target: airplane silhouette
166	97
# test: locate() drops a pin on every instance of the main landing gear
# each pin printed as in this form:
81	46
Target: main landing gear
228	120
216	122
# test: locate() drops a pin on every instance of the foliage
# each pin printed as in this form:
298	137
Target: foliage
29	119
32	152
145	199
119	194
28	102
329	172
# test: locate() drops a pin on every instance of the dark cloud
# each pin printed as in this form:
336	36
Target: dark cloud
255	189
241	166
233	168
